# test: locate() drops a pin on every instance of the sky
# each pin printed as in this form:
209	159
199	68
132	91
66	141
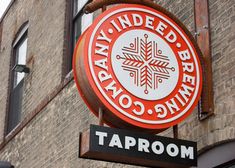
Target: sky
3	6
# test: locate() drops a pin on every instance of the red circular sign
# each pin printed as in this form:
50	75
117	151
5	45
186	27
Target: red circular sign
140	66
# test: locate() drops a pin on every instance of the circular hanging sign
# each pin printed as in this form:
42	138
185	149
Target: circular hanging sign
140	67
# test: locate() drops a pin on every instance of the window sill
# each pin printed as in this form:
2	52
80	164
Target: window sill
69	76
203	117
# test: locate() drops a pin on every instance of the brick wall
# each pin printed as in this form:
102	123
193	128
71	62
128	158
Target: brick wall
44	54
45	49
51	138
220	126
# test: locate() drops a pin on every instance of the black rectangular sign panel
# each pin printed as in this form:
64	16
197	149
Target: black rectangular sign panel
104	143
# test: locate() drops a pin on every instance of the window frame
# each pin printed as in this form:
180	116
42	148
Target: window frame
218	155
74	19
16	57
1	35
13	120
71	18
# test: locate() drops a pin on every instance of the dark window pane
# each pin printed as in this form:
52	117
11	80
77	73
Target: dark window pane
16	93
77	29
81	23
15	106
20	54
230	164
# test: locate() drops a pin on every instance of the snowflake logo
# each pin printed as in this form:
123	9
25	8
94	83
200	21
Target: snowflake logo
147	65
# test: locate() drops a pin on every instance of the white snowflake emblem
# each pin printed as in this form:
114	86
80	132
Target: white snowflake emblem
147	65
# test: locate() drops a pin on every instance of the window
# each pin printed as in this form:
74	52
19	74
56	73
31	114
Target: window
80	22
16	92
230	164
220	156
0	34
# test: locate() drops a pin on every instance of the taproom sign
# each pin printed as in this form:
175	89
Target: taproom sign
137	148
140	66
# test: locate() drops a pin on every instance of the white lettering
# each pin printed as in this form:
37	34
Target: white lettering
187	67
124	21
102	63
158	145
115	26
128	101
184	55
141	111
115	141
189	79
160	28
137	19
101	136
172	150
104	37
112	88
179	99
184	93
102	49
187	152
129	142
171	37
143	145
103	76
149	22
161	110
171	104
